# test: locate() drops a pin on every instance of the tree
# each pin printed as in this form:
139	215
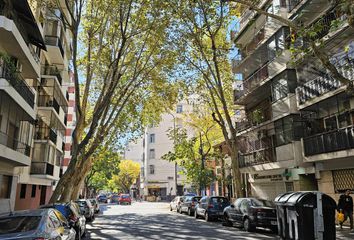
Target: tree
105	164
120	72
193	147
129	171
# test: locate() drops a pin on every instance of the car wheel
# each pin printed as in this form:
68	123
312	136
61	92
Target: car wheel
195	214
207	217
247	225
189	212
78	235
84	233
171	208
227	220
274	230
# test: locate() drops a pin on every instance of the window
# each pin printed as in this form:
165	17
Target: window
23	191
288	129
5	186
152	138
152	154
179	108
152	169
170	178
279	89
343	180
289	186
331	123
277	43
33	193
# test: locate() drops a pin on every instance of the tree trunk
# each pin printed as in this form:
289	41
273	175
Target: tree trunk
223	180
237	184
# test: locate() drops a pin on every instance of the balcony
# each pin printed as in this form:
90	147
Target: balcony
52	70
332	141
46	133
15	144
310	92
55	49
42	168
257	158
47	101
17	82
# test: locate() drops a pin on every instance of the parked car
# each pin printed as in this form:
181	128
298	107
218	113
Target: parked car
125	199
71	211
86	209
102	198
188	204
115	198
251	213
36	224
95	205
175	204
211	207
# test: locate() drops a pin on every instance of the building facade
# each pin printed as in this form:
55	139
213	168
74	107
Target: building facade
287	105
35	53
158	177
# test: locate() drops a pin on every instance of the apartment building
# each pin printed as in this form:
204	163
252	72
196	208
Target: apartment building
35	53
19	75
297	134
158	176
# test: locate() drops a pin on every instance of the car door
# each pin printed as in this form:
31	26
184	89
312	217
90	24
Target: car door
204	205
184	204
238	210
232	210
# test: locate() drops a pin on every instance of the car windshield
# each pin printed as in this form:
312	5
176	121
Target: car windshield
82	203
197	198
216	200
125	196
19	224
262	203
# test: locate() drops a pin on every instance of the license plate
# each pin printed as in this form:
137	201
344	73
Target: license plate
273	222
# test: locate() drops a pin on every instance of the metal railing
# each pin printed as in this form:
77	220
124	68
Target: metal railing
321	85
59	158
45	133
261	157
52	70
15	144
17	82
332	141
46	101
42	168
55	41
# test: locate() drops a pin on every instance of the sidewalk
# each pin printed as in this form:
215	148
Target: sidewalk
344	233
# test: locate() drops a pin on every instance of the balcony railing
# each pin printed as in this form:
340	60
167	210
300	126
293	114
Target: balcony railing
336	140
42	168
14	144
52	70
45	133
257	39
321	85
17	82
55	41
247	146
253	81
46	101
257	158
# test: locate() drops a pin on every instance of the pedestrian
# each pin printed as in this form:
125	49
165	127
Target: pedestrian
345	206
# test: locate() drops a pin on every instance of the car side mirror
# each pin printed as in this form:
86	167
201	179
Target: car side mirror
233	206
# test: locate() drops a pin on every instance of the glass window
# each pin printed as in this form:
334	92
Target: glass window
272	49
152	138
344	120
152	154
5	186
33	193
179	108
280	88
331	123
262	203
23	191
152	169
19	224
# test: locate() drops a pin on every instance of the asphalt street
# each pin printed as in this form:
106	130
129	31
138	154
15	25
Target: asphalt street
143	220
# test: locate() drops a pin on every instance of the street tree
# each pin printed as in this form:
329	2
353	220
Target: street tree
120	66
128	173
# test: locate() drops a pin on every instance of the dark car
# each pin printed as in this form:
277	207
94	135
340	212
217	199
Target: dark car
36	224
175	204
251	213
188	204
102	198
211	207
125	199
86	209
95	205
115	198
71	211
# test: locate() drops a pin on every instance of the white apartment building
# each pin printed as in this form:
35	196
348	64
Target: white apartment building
158	176
34	76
